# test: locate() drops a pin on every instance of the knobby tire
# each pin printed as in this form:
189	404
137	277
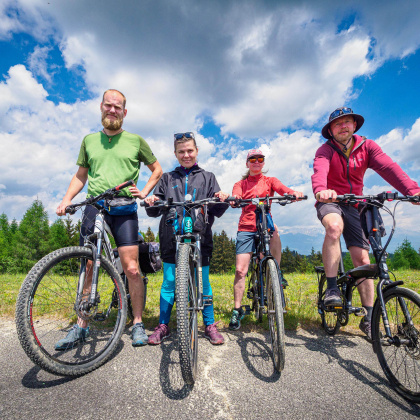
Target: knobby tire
186	313
275	315
400	363
330	319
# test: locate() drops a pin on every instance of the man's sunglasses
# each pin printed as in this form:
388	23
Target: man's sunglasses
188	135
255	159
341	111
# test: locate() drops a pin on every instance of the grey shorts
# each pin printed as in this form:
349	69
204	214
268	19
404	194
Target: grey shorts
245	242
353	232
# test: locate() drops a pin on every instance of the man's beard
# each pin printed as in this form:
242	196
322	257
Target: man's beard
111	125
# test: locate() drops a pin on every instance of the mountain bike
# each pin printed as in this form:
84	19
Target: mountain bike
264	284
396	312
189	295
74	283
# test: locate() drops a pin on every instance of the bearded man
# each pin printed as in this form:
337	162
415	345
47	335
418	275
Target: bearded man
106	159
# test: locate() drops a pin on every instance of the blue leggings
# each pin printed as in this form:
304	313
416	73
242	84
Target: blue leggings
167	295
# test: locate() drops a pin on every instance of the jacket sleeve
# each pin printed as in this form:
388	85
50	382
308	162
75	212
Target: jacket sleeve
279	187
216	209
322	162
159	191
389	170
237	189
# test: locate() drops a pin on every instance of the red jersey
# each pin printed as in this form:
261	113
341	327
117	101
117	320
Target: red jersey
256	186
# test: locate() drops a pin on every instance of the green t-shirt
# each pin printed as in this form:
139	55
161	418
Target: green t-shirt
113	162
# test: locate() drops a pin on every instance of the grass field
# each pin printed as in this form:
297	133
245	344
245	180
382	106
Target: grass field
301	298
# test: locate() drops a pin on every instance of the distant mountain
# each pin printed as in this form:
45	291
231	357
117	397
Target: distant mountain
303	239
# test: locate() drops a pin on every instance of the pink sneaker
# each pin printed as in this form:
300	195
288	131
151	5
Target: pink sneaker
213	335
161	332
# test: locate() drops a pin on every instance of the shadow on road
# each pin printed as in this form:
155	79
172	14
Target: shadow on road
330	346
256	353
173	386
31	380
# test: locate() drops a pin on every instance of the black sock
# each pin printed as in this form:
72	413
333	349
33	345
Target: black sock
368	317
332	282
238	309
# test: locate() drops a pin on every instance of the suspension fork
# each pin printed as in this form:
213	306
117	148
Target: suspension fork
200	302
99	232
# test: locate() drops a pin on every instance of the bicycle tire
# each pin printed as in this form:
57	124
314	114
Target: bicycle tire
275	315
186	313
400	362
329	319
46	306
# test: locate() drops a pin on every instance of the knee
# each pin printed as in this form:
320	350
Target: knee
334	231
132	272
240	272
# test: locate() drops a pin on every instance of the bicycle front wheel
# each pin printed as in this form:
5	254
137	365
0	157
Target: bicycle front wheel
186	313
48	305
275	315
400	360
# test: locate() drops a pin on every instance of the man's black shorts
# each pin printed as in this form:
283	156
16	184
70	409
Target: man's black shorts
353	233
124	228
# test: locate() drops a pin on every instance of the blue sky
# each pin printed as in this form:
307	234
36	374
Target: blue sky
241	74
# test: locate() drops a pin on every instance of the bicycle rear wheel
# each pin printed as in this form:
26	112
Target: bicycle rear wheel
330	319
47	305
400	361
275	315
186	313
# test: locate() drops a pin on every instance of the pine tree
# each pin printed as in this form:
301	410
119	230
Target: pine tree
224	254
288	261
32	237
149	236
406	257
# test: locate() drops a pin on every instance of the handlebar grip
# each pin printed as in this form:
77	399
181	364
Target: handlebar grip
230	198
159	202
143	203
124	184
70	210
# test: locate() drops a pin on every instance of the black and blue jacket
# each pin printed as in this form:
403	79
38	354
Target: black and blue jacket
176	184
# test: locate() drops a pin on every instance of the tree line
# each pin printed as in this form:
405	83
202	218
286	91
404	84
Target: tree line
23	244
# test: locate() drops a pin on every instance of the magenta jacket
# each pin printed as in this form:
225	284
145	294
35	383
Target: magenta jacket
334	171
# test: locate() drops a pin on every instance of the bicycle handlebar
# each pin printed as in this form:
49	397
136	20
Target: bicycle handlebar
382	197
281	199
169	203
112	192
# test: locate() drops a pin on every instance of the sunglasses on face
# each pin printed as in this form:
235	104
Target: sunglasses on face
188	135
342	111
256	159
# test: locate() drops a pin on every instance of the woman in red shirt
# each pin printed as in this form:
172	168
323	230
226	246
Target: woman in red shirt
253	184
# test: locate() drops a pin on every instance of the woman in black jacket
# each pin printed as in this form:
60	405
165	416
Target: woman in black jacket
188	178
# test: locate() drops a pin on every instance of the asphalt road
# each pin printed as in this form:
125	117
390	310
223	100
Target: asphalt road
324	377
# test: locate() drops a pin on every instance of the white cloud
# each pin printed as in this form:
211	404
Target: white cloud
37	62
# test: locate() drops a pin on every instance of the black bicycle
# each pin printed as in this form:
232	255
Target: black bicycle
396	312
189	295
264	284
74	283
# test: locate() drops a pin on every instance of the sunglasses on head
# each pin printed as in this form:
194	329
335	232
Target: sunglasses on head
188	135
256	159
341	111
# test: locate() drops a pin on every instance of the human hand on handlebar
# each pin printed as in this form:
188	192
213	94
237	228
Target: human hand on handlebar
61	209
151	200
135	192
297	194
326	196
416	194
233	203
221	195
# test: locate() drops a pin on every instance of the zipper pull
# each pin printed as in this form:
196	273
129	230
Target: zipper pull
354	161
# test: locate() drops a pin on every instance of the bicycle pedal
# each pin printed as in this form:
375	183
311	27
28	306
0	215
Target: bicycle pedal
100	317
207	300
360	311
247	309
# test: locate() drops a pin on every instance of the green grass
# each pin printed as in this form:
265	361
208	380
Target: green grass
301	298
